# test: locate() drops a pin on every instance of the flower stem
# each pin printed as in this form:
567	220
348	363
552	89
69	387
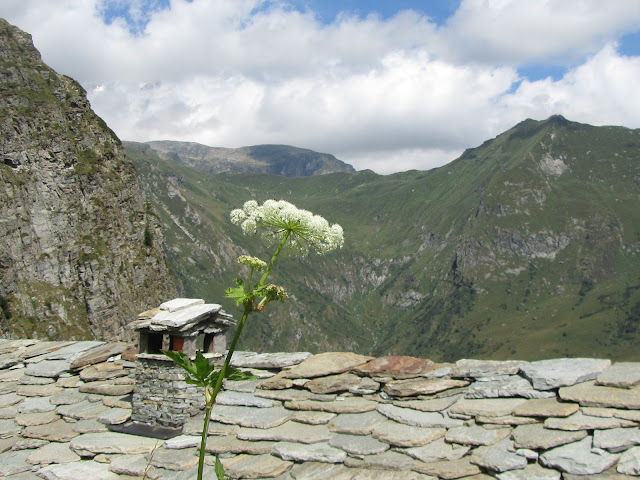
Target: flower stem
285	237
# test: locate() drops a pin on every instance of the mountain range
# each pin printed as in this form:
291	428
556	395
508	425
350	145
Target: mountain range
527	246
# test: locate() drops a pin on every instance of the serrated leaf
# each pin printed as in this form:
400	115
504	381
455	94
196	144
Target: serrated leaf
182	360
219	470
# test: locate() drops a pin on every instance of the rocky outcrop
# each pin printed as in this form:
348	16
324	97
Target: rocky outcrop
81	252
327	416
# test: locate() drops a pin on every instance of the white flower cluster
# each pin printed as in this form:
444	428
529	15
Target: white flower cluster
279	217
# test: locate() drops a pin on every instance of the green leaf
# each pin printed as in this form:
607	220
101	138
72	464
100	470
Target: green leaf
182	360
232	374
219	470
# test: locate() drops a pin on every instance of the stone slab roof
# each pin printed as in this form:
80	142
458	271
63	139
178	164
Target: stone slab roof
181	315
326	416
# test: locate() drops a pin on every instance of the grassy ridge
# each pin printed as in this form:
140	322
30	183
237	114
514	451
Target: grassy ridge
525	247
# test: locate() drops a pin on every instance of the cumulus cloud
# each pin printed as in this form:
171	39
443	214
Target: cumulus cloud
386	94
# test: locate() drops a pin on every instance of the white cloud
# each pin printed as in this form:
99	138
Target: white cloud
388	94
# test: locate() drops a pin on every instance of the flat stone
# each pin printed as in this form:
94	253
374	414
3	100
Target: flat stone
421	386
182	441
83	410
333	383
167	459
500	458
38	390
277	382
8	412
492	407
72	351
629	462
9	443
9	399
297	452
29	380
312	418
450	469
326	364
537	437
505	420
284	395
99	354
89	426
358	445
231	444
616	439
8	387
243	399
563	372
546	407
58	431
53	453
288	432
103	371
367	386
589	394
398	367
357	423
114	416
36	405
76	470
438	450
428	404
579	458
256	466
267	360
620	374
633	415
387	460
530	472
8	428
68	382
133	465
505	386
115	387
476	435
125	401
90	444
28	419
401	435
41	349
580	421
14	462
467	368
48	368
416	418
250	417
344	405
183	318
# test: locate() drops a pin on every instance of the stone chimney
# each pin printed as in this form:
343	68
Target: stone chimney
162	397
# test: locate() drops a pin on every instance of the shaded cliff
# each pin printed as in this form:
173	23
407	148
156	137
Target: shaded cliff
81	251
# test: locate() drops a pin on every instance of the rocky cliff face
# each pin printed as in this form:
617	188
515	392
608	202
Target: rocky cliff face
81	250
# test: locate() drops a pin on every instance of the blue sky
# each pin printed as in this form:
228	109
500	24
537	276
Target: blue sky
385	85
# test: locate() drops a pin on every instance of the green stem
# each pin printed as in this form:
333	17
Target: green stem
285	237
203	440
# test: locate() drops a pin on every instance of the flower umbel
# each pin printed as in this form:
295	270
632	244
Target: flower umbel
280	218
253	262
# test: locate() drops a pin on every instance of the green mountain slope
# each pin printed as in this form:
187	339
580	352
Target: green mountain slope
525	247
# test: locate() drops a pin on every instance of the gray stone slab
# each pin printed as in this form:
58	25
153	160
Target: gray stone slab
629	463
231	444
467	368
438	450
530	472
563	372
13	462
68	396
579	458
388	460
344	405
418	419
48	368
341	382
268	360
580	421
476	435
590	395
297	452
620	374
288	432
500	458
58	431
182	441
505	387
428	404
358	445
167	459
36	405
255	466
133	465
250	417
357	423
83	410
422	386
8	428
53	453
30	380
72	351
546	407
47	390
537	437
9	399
450	469
490	407
244	399
28	419
114	416
616	439
78	470
401	435
312	418
90	444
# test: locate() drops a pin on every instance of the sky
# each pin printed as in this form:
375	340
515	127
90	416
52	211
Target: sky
383	85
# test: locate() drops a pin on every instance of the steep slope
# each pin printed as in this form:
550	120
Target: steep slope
81	253
525	247
270	159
